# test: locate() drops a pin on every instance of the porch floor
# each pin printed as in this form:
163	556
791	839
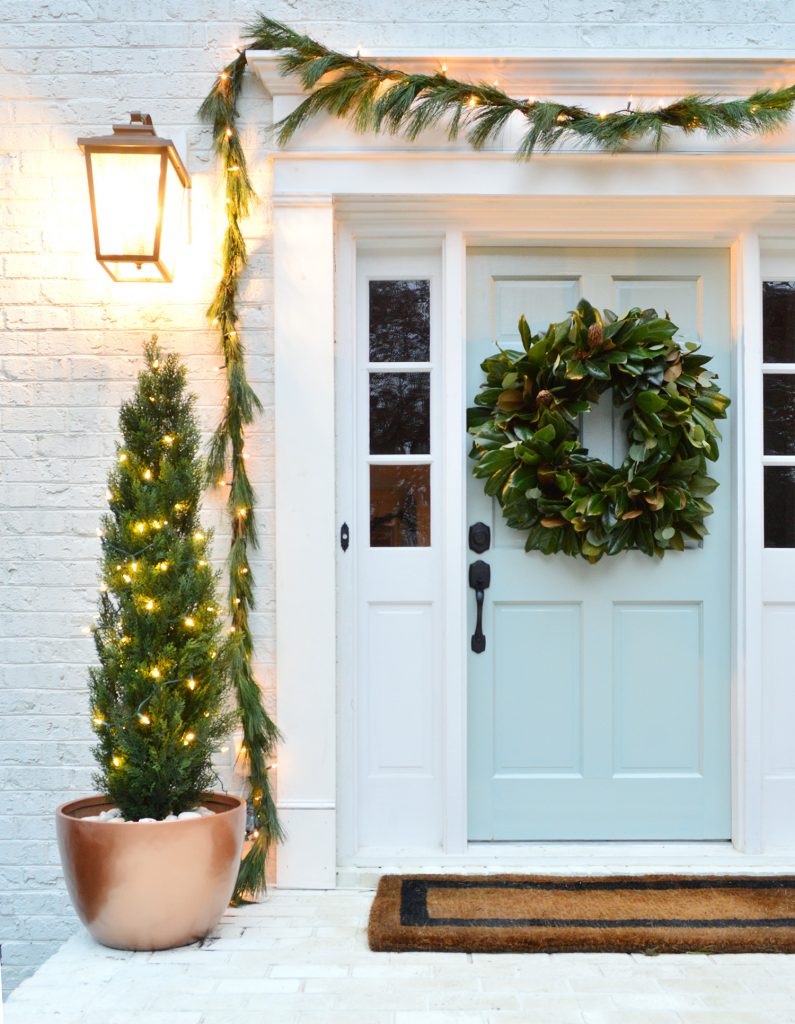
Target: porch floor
302	958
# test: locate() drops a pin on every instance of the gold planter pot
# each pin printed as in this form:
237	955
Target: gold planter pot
151	885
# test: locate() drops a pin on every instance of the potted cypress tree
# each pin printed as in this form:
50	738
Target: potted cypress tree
151	862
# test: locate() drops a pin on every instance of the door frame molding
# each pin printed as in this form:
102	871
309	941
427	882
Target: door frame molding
333	187
745	299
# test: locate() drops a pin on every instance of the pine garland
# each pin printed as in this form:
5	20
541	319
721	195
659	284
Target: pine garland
379	99
260	734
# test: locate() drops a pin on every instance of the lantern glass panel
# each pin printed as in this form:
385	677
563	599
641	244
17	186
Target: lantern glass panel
173	210
126	186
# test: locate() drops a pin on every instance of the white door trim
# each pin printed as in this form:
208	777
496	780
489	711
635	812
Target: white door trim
746	831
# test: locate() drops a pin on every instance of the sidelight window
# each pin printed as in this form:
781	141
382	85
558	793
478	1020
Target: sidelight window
399	412
778	354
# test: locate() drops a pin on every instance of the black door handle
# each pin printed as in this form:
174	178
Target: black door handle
479	580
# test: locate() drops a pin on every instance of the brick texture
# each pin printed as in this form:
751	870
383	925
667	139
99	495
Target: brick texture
70	339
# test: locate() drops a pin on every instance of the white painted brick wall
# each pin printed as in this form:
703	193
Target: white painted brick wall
70	339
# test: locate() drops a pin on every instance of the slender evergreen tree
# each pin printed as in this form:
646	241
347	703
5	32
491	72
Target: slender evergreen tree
158	694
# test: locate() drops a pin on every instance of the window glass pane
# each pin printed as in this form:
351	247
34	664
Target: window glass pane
780	506
400	413
400	321
779	413
778	315
400	506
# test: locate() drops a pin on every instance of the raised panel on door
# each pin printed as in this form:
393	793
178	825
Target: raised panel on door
600	707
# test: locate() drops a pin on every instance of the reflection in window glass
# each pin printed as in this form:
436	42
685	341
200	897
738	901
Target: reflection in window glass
400	506
400	413
780	506
400	321
778	314
779	413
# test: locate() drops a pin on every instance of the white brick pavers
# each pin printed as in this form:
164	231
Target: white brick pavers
302	958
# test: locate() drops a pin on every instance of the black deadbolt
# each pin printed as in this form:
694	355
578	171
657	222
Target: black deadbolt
479	538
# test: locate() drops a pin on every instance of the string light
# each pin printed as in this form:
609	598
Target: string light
229	133
117	762
108	496
191	683
201	563
189	738
242	512
244	571
144	719
103	588
156	364
122	456
100	533
149	605
168	439
155	673
99	720
198	535
472	101
162	566
126	578
140	527
189	622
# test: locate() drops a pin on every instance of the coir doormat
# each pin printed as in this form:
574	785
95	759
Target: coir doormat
537	914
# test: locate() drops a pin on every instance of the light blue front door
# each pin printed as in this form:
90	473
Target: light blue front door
600	708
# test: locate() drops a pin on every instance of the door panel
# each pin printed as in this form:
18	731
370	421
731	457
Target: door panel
600	707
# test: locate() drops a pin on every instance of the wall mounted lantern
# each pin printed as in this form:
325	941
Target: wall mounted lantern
137	185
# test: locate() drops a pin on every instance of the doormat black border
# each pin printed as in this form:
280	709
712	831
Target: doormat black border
400	920
414	903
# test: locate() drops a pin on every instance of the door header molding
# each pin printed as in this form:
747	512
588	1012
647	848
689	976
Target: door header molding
569	72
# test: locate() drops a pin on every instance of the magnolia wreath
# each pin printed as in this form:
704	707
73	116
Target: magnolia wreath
525	425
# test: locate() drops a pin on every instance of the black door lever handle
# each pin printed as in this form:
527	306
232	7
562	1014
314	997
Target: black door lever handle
479	580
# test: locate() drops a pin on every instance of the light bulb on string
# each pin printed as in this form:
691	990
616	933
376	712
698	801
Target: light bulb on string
190	622
144	719
155	673
191	683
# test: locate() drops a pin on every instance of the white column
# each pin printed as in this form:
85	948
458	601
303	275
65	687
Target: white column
303	228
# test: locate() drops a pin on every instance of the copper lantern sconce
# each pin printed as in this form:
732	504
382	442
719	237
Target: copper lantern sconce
137	185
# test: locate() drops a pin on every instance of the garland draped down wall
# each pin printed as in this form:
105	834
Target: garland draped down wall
380	99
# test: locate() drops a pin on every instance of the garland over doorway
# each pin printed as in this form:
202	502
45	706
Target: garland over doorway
374	98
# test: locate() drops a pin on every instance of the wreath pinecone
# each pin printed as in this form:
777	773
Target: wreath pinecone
527	446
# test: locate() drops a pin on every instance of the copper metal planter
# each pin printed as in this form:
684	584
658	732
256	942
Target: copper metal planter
151	885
